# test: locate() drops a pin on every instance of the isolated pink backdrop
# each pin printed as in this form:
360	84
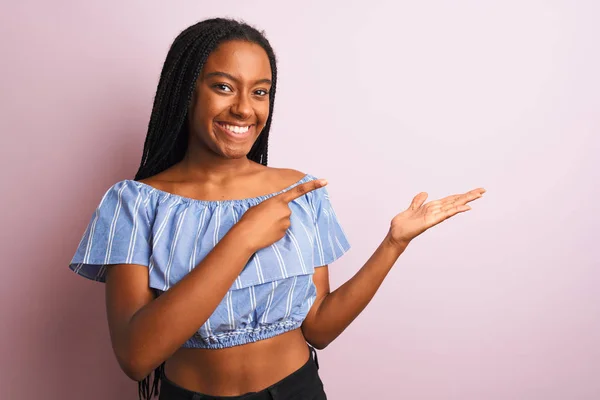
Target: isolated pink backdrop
385	99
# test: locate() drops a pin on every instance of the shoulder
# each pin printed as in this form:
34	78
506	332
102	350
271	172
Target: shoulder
283	177
124	189
289	178
162	181
128	193
123	203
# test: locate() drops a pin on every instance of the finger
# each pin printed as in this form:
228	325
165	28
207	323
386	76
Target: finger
471	195
476	193
450	199
461	199
455	210
418	201
301	190
456	203
453	200
468	199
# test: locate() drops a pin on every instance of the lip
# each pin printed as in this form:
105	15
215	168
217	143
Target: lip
234	124
238	137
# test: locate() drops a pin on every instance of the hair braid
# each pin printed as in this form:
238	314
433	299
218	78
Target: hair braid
177	51
168	97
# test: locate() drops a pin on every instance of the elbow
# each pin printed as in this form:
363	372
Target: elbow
319	345
317	342
134	367
133	370
135	374
314	337
134	358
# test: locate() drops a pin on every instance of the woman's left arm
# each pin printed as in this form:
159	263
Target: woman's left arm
332	312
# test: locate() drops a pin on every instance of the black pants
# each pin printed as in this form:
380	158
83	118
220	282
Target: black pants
303	384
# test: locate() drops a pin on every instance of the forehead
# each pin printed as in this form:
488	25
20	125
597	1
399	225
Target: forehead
243	59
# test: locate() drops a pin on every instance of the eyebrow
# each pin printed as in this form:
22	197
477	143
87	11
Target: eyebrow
231	77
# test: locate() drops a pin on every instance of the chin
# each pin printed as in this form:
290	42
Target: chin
235	154
236	151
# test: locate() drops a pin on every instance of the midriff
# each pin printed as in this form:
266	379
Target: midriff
240	369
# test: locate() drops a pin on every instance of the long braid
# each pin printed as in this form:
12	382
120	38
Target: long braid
167	137
260	149
177	51
167	97
166	140
174	110
180	113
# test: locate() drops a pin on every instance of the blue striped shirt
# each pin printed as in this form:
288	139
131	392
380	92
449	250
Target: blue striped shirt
170	234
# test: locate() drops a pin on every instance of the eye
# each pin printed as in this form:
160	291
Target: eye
261	92
223	87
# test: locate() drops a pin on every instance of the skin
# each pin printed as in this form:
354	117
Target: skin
232	88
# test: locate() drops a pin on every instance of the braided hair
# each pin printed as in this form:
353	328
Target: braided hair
168	131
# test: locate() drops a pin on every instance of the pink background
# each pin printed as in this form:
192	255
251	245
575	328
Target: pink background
384	99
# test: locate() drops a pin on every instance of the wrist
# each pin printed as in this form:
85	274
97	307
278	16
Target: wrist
240	237
398	245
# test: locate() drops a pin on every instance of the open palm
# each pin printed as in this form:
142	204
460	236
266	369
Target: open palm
419	217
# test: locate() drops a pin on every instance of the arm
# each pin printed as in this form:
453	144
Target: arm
146	331
332	312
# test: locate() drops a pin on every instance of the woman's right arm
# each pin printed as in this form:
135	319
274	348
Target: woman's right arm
145	331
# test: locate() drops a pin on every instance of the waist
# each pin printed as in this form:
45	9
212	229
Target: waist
240	369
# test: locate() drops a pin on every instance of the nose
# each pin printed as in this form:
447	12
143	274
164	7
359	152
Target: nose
241	107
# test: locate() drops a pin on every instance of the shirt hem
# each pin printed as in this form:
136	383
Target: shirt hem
241	337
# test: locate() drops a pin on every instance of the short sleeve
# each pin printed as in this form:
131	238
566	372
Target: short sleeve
330	241
118	233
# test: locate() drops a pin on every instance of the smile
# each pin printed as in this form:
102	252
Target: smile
235	131
235	128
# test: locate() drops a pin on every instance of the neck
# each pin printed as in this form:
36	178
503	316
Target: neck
202	164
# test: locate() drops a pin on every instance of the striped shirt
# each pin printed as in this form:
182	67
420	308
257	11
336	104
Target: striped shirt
170	234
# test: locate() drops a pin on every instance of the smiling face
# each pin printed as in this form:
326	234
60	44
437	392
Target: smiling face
230	105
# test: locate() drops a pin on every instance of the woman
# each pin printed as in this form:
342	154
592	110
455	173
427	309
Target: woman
216	265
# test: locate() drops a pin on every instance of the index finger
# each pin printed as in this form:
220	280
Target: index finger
301	190
463	198
472	193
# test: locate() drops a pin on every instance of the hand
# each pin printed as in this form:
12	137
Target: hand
419	217
267	222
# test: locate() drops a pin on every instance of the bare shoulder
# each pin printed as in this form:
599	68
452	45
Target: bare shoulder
163	180
290	174
283	177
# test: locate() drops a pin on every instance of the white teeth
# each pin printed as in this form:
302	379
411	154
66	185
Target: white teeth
237	129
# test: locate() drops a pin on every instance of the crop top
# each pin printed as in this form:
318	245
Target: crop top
136	223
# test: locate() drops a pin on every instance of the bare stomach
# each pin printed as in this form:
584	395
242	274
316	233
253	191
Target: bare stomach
240	369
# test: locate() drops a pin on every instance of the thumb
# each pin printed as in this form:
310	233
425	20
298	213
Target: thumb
418	201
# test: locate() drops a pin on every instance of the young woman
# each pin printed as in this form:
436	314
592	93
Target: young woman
216	265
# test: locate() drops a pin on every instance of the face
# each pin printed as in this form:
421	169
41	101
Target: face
231	100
